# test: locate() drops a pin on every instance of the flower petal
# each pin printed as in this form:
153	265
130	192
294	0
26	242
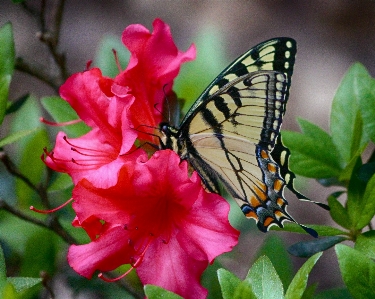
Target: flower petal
102	254
168	266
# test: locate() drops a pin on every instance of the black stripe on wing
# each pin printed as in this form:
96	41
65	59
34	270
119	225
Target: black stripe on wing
250	107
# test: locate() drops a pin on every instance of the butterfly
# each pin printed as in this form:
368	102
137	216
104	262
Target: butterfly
231	134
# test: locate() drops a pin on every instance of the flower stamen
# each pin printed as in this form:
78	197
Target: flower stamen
117	60
102	277
52	210
133	265
61	124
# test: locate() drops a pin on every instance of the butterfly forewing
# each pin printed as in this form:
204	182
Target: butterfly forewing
276	54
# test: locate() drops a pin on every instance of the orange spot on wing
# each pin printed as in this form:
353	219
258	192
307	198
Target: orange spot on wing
277	185
252	215
280	202
261	193
279	214
254	202
264	154
271	167
268	221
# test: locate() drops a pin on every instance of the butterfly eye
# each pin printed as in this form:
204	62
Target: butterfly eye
165	129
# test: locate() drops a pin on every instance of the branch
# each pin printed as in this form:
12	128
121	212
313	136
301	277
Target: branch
12	169
38	71
51	224
49	35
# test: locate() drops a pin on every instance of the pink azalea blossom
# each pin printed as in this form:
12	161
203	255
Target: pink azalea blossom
154	63
157	219
103	105
119	109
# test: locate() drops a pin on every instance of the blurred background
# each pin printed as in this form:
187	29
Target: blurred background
331	36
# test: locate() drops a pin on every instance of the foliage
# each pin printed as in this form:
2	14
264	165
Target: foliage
335	159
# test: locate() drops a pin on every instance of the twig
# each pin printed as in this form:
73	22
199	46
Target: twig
52	224
12	169
38	71
46	279
50	37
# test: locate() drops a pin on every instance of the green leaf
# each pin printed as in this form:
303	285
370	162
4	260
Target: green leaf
62	182
210	281
6	65
365	243
6	50
310	291
244	290
312	130
61	112
8	292
40	253
105	59
309	157
357	270
31	166
23	283
14	137
27	116
346	122
356	190
366	171
29	149
352	166
338	212
323	230
264	281
209	63
3	270
367	106
367	205
309	248
155	292
334	294
298	285
4	90
228	283
274	248
17	104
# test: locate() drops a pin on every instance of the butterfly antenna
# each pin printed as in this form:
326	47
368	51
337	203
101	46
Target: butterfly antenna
167	101
150	134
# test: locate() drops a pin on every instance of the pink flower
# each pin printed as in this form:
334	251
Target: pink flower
154	63
157	219
119	109
103	105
